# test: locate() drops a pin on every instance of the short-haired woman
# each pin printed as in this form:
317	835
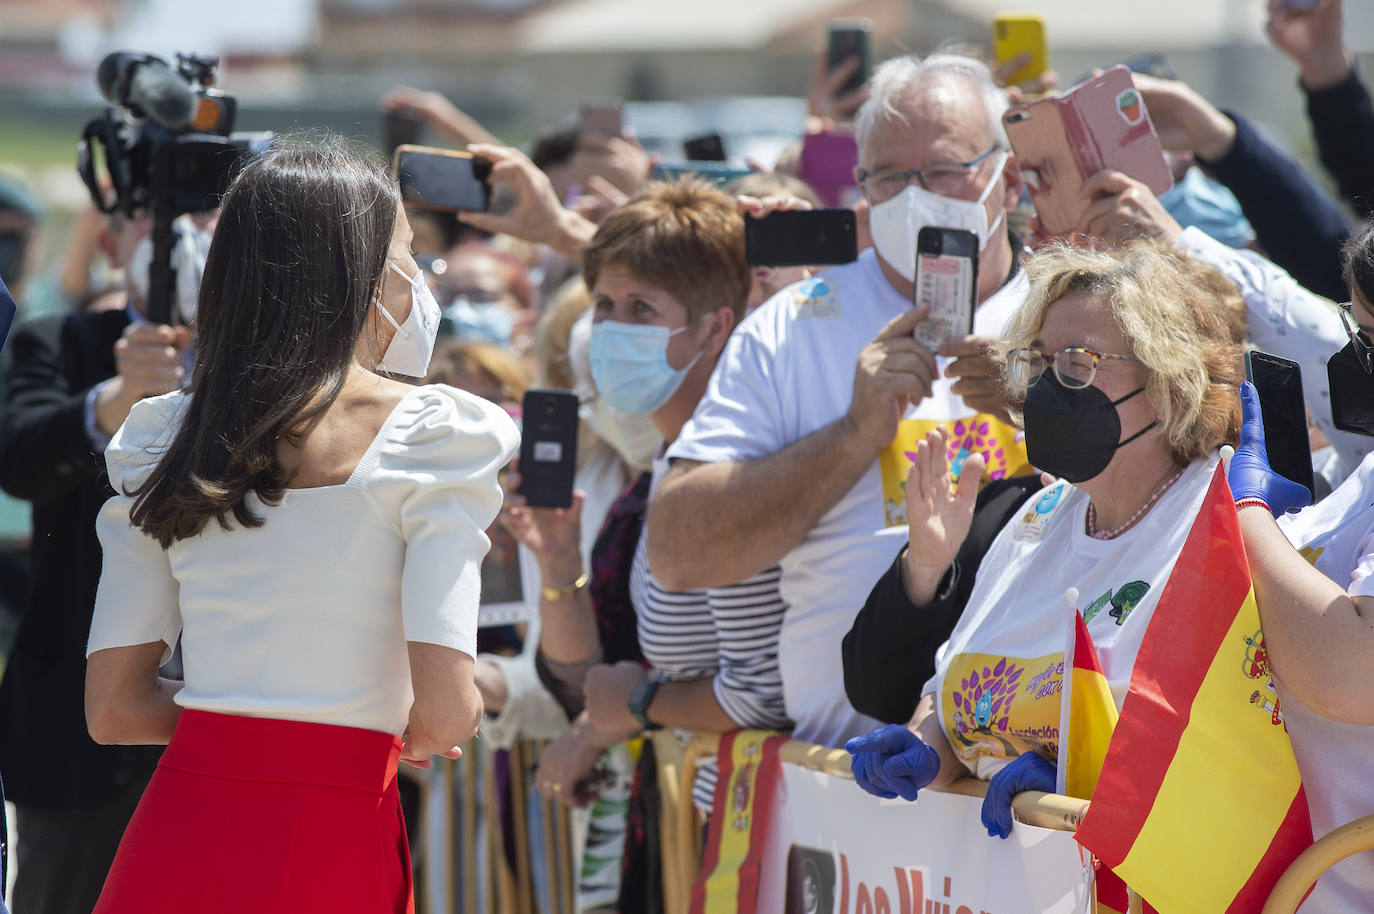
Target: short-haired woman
1127	371
311	532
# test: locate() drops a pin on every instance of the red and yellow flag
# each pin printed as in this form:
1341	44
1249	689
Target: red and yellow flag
749	770
1089	715
1199	806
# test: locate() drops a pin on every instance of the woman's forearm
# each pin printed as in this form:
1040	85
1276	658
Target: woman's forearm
1312	627
926	725
690	705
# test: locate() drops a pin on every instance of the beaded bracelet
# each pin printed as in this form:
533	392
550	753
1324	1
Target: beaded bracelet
1252	501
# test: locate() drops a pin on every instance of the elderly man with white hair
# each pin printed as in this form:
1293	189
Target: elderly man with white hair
800	450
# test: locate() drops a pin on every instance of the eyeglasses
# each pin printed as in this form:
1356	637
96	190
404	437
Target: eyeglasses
946	178
1074	367
1364	352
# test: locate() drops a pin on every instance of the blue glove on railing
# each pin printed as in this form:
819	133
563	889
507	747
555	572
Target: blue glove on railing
1250	475
892	762
1027	771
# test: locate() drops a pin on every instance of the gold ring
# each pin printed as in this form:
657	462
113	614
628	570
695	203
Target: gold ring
554	788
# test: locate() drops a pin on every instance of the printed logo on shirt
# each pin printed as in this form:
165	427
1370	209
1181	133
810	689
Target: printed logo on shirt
1033	521
1002	446
1311	553
1001	707
1122	601
815	297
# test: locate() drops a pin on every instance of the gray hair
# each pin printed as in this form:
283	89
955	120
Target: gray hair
894	80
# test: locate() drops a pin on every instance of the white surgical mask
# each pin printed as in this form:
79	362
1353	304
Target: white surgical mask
632	435
188	259
895	223
412	345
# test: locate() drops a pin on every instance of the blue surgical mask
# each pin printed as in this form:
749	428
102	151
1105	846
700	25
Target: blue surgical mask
486	322
630	365
1200	201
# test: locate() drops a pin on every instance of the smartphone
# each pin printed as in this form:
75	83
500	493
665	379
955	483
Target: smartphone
1014	34
801	238
603	117
1062	141
946	283
1278	382
548	447
709	147
400	128
441	179
850	38
1301	4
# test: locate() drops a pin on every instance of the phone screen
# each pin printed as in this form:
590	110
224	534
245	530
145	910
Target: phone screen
801	238
443	180
946	283
709	147
1279	385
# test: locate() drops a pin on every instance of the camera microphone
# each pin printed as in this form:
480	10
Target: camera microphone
148	87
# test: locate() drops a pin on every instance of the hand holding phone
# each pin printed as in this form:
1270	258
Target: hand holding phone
850	39
1278	383
441	179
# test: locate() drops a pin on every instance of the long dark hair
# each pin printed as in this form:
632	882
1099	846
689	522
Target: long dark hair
1357	256
295	262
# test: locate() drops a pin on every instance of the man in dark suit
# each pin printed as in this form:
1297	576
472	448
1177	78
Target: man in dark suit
72	381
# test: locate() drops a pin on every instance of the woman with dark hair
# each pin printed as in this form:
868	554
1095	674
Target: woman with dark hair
1314	587
311	531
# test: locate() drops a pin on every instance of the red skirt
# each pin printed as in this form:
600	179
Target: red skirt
269	816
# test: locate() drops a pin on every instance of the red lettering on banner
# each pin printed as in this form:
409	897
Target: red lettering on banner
844	884
861	903
880	902
911	894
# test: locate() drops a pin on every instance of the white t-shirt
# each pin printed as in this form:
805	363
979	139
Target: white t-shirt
306	617
998	679
1289	321
787	372
1336	760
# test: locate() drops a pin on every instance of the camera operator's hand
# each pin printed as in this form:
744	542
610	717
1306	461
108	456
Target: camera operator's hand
1313	39
893	372
148	363
1123	209
538	216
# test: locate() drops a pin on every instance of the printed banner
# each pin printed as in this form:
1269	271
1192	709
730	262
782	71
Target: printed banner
833	849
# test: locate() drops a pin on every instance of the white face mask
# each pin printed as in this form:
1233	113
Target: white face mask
188	259
895	223
412	345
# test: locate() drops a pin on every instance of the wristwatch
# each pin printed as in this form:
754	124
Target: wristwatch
639	702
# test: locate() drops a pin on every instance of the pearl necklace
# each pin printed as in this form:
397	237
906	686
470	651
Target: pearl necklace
1130	522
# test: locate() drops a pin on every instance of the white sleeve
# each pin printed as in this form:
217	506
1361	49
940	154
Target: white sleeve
137	601
741	417
1289	321
436	479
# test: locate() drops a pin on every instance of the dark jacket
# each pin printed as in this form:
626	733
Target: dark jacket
46	457
889	652
1343	126
1296	223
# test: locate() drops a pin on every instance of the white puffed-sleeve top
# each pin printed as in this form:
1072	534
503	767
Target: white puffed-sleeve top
307	616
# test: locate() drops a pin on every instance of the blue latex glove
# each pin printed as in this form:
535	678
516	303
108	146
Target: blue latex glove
1027	771
892	762
1250	475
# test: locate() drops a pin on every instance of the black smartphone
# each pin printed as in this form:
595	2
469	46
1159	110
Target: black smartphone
400	128
810	881
1278	382
604	117
801	238
709	147
441	179
548	447
946	283
8	310
851	38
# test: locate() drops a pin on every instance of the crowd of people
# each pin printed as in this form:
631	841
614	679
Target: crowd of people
259	531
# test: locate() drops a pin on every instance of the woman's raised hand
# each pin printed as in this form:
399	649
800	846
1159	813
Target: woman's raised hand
554	535
938	514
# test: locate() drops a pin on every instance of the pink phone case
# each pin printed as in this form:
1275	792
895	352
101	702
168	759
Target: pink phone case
1060	142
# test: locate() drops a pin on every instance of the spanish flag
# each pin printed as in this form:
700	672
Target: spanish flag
1089	715
749	771
1199	806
